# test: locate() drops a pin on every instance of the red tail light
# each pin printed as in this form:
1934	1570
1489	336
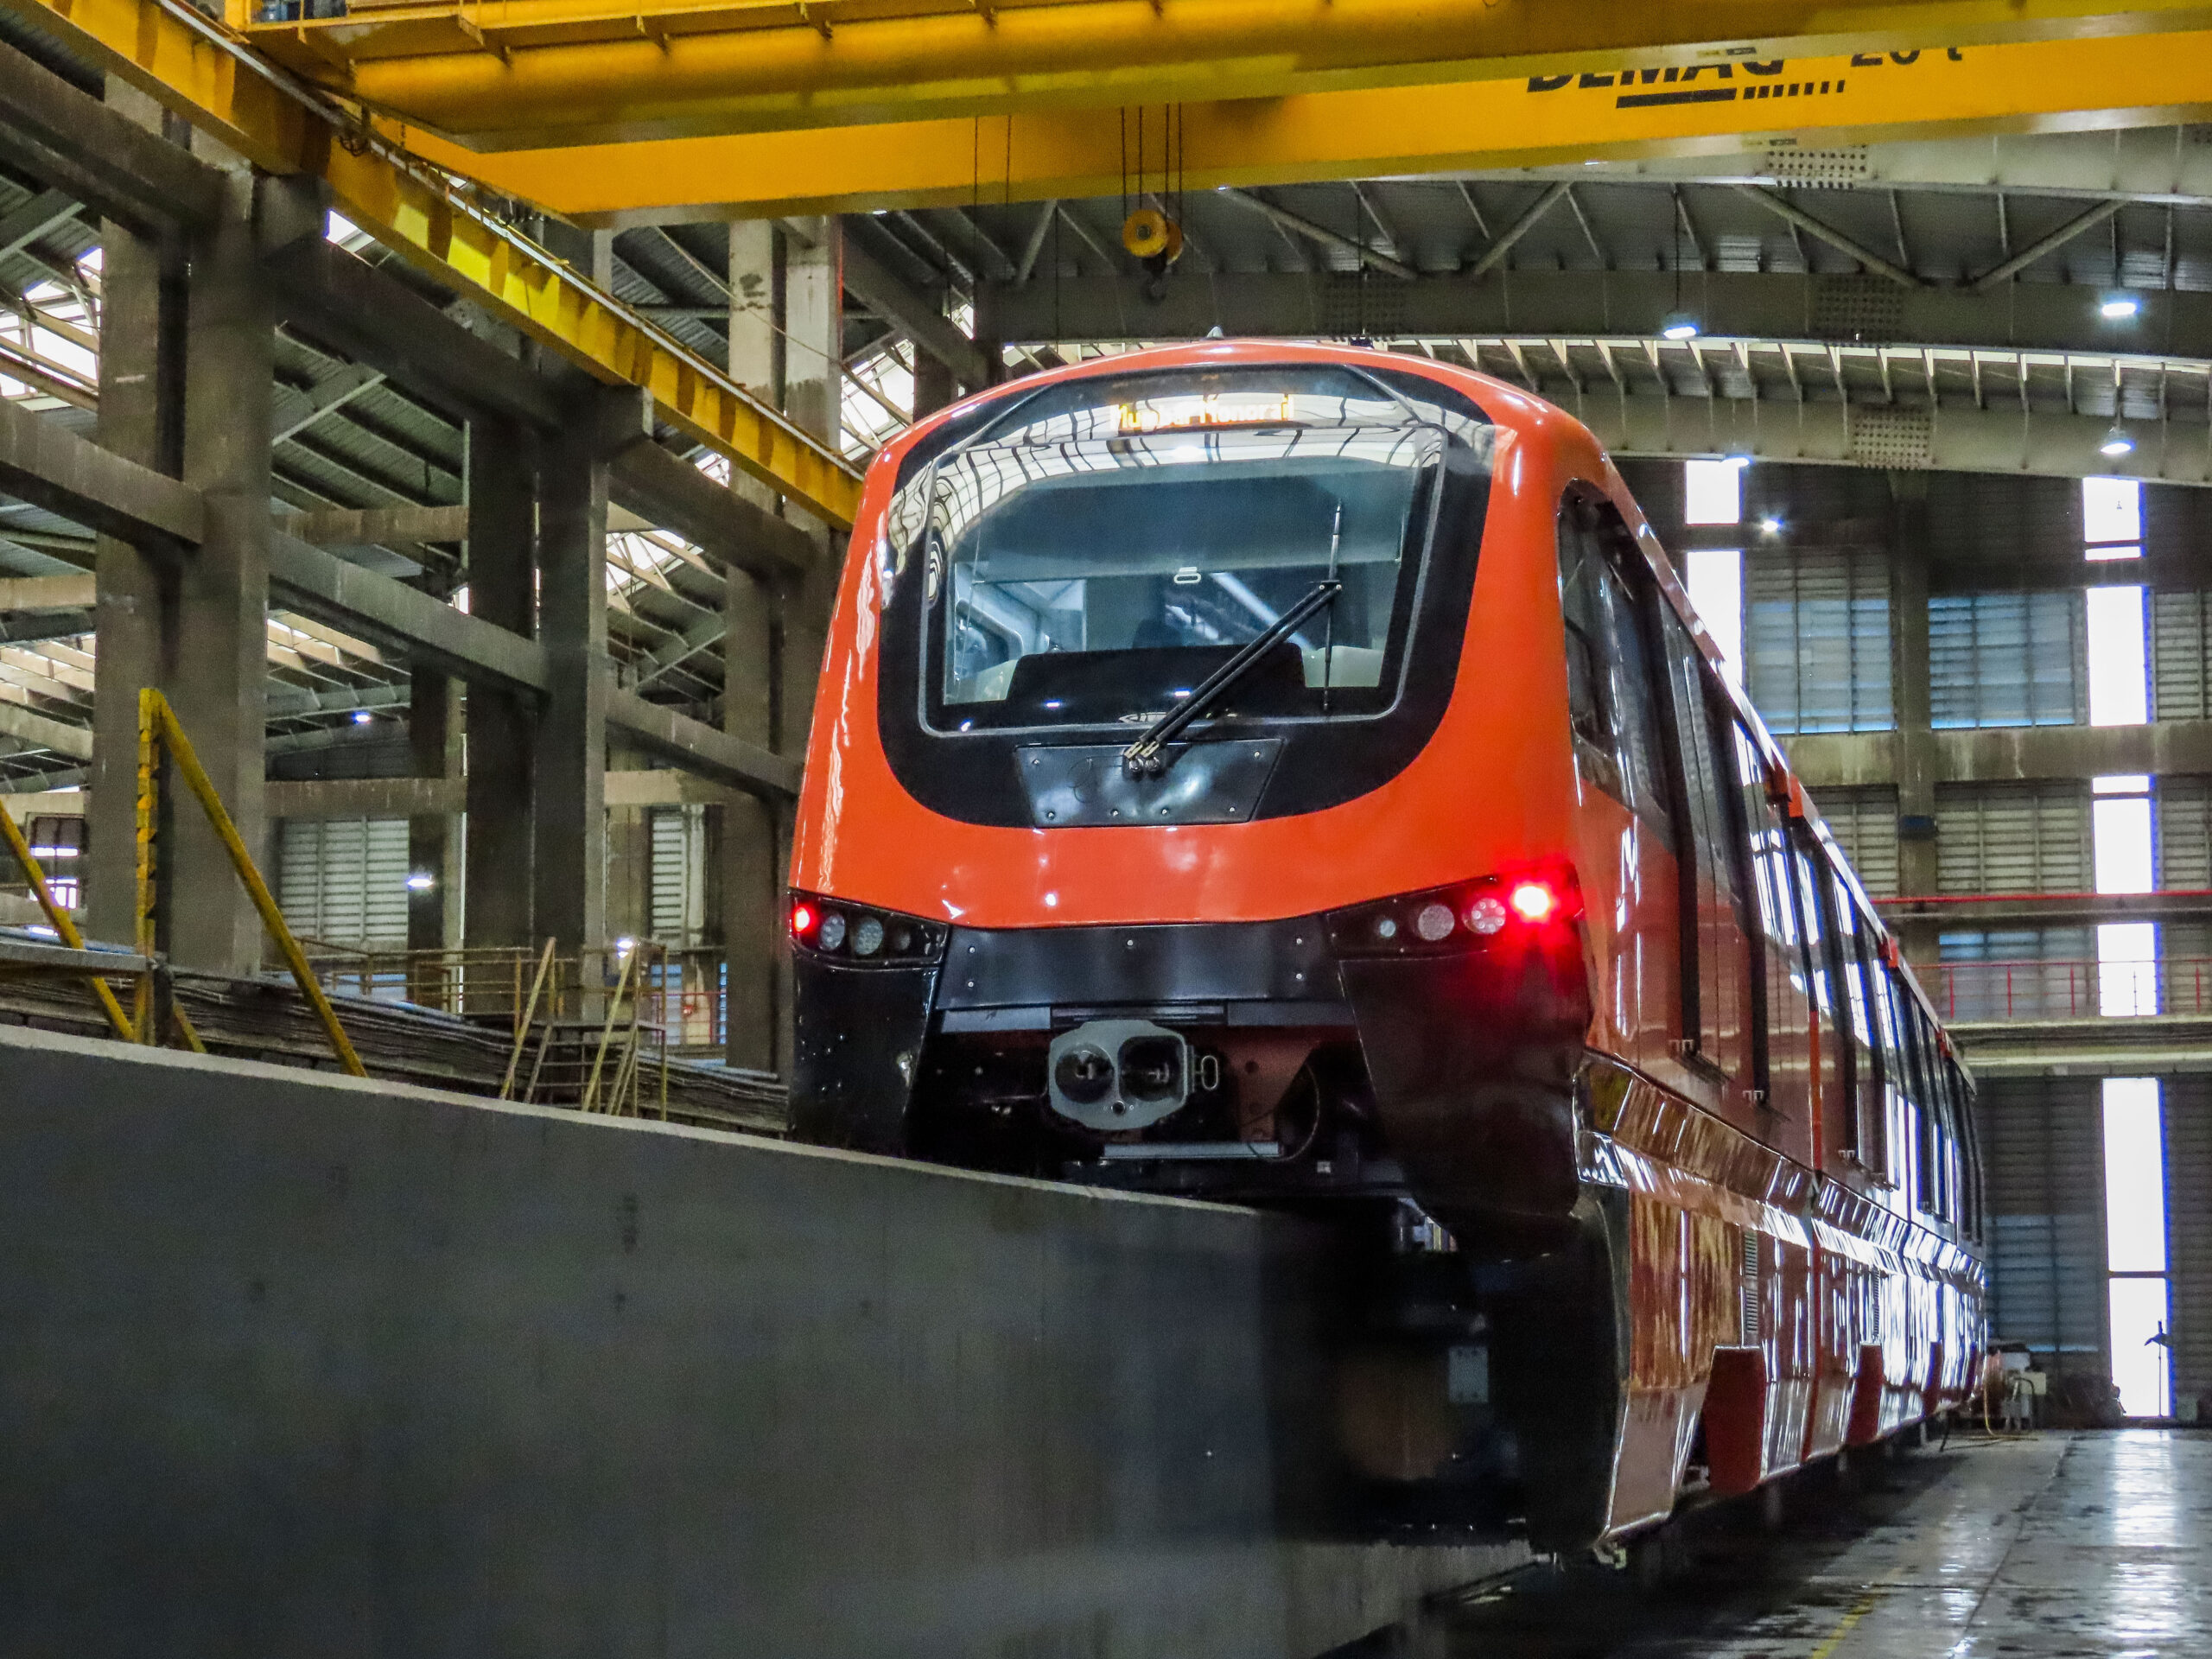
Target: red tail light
1472	915
1533	901
804	919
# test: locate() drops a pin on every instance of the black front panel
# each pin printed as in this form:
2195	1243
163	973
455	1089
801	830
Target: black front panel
1216	964
1074	786
857	1050
975	775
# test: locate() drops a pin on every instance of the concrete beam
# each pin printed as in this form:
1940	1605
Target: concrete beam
914	315
668	492
25	726
348	304
2046	909
1617	304
365	798
373	526
427	629
2008	753
71	593
698	748
71	141
19	229
82	482
664	786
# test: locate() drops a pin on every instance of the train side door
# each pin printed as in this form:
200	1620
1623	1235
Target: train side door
1719	1031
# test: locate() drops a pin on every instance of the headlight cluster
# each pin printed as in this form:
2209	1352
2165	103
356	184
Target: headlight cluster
865	937
1466	916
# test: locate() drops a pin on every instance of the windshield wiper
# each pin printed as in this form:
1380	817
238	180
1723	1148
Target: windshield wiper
1147	756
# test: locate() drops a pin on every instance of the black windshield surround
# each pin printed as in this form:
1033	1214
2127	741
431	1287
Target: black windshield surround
1336	747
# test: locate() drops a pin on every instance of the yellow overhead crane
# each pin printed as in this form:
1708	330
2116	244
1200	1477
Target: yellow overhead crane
1626	111
498	74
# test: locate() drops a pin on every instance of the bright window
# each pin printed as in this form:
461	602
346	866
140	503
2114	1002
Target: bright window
1713	493
2135	1242
1714	577
2127	968
2111	511
2120	683
2121	835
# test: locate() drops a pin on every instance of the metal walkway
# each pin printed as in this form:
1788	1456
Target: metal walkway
298	1364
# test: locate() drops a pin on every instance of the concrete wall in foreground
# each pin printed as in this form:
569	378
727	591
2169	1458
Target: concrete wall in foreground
297	1366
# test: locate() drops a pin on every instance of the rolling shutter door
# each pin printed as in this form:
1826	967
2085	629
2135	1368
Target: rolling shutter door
1816	639
1994	838
2184	832
2007	659
678	873
344	880
2179	642
2189	1232
1866	824
2046	1233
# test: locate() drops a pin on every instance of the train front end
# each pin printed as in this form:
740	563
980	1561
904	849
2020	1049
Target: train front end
1182	809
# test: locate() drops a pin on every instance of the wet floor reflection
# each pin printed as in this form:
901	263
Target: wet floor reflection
2048	1546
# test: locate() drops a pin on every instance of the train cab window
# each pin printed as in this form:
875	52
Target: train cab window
1610	697
1080	562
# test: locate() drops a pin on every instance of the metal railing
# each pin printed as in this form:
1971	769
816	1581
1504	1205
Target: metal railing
679	991
1977	992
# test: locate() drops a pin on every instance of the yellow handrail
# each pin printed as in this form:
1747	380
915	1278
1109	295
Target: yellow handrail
158	727
522	1026
64	929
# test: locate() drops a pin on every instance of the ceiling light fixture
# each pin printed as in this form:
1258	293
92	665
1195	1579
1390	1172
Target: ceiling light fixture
2118	308
1678	325
2116	442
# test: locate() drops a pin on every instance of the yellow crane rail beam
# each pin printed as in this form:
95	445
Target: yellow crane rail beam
194	67
529	73
1526	122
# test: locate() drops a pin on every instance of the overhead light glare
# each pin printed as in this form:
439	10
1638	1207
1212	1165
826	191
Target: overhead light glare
2118	308
421	881
362	716
1771	526
2116	442
1678	325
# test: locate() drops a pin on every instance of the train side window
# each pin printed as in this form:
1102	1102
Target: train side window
1823	966
1590	702
1612	699
1849	956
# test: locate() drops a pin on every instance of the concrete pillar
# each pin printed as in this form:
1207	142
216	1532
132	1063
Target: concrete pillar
750	835
141	419
221	661
568	863
502	581
756	346
1910	698
431	731
934	386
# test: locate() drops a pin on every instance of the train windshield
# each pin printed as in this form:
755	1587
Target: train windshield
1127	537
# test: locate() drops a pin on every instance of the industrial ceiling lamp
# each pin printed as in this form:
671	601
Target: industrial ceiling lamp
2118	308
2116	442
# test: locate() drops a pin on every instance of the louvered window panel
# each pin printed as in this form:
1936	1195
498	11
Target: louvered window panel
1816	638
344	880
2188	1229
2046	1210
2006	660
1866	823
2023	973
2181	634
678	875
2185	967
2185	834
1993	838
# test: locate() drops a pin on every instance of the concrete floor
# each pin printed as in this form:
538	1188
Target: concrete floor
2055	1544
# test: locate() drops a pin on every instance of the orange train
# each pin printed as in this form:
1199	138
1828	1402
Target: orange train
1296	776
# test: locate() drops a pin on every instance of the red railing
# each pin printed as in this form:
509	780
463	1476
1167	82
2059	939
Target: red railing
1973	991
